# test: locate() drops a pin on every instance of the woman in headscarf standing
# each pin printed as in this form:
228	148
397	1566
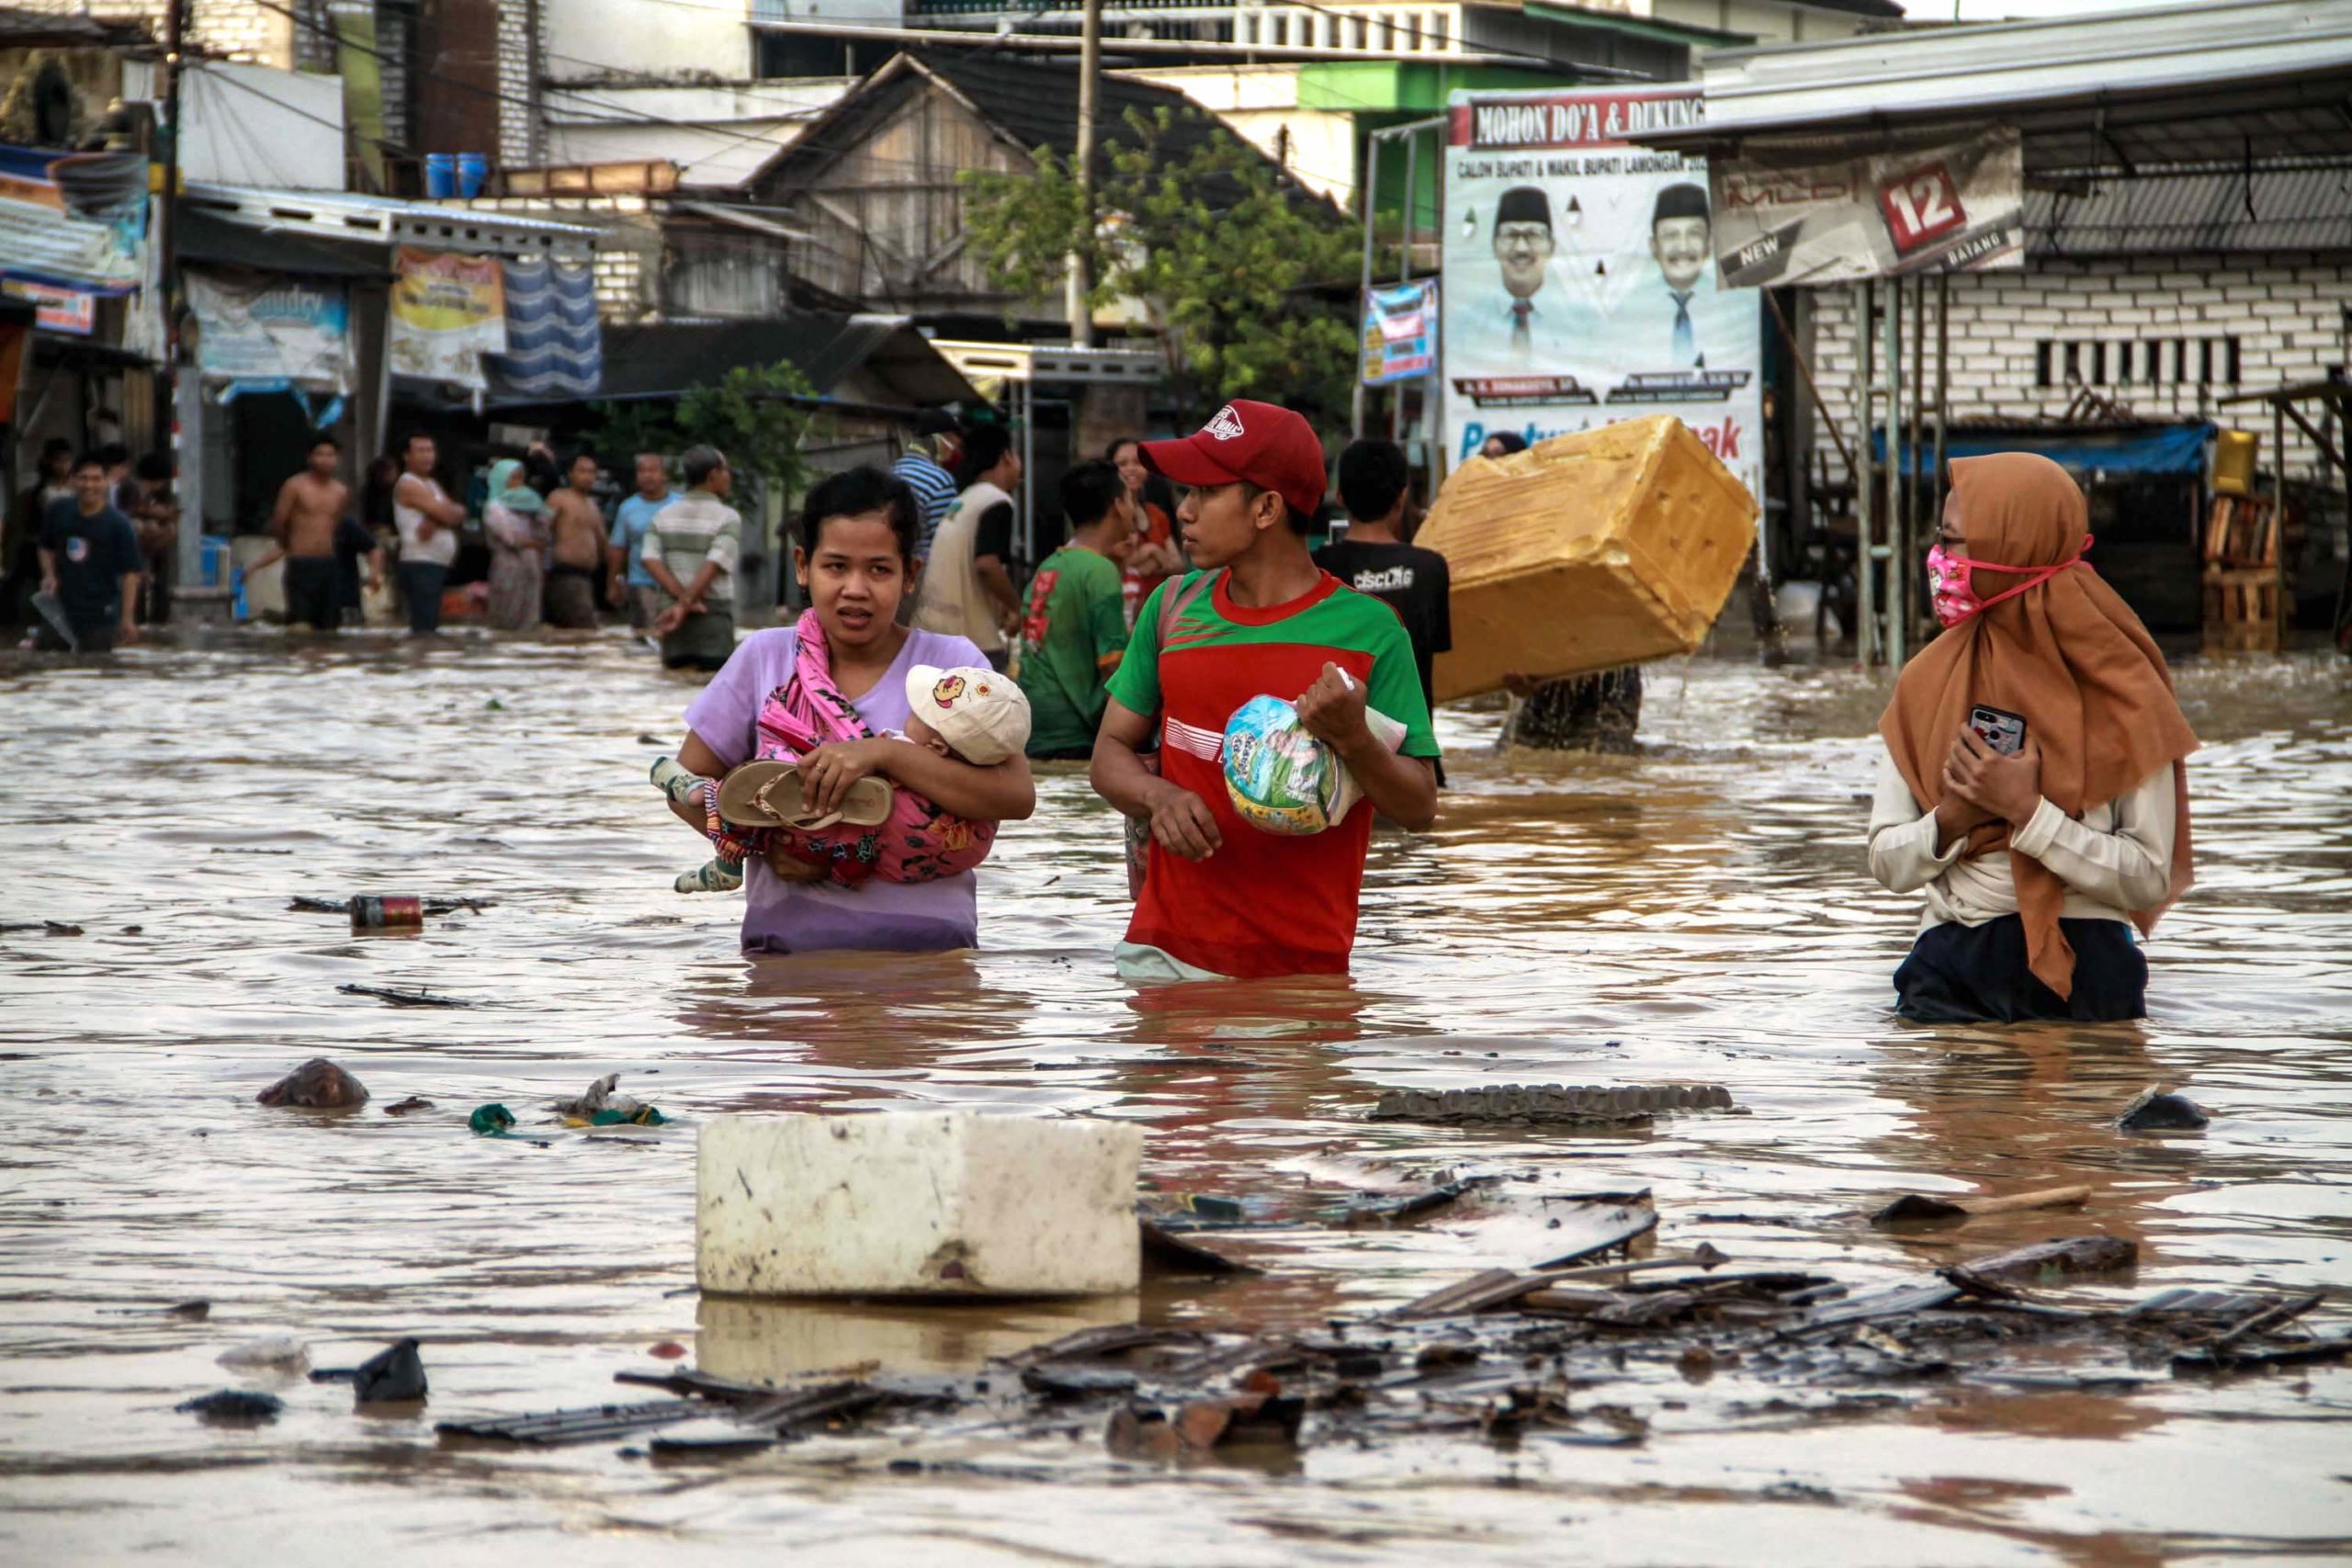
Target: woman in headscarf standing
514	519
2033	782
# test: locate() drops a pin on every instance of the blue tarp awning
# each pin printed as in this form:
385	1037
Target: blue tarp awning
2177	450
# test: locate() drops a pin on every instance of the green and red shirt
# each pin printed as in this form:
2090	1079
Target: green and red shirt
1264	903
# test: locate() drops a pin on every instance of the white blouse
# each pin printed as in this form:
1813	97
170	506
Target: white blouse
2115	858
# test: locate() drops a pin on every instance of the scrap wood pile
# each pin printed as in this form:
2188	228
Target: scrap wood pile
1578	1350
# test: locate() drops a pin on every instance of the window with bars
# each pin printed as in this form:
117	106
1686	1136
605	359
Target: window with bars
2136	362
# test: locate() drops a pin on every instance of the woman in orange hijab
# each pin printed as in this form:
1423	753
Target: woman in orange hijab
2033	784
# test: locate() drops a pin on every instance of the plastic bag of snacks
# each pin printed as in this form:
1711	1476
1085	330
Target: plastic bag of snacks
1281	778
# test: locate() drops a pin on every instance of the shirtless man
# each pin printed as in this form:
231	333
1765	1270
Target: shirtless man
308	514
579	553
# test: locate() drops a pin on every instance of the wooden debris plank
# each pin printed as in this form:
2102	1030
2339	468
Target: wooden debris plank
587	1425
1898	1301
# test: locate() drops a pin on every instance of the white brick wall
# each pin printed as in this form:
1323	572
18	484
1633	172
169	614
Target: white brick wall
518	135
238	29
2285	311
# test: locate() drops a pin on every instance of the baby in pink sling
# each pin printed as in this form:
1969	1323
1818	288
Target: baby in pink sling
878	829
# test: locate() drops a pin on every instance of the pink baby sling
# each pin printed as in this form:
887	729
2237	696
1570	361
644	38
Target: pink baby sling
919	842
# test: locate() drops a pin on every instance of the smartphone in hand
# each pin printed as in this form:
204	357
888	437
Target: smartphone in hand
2004	732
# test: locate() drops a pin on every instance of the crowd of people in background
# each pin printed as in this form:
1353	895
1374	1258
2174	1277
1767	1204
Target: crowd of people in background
553	545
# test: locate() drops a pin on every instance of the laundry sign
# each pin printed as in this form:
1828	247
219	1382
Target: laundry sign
271	329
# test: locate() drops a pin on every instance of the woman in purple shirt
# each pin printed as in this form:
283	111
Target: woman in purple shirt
856	553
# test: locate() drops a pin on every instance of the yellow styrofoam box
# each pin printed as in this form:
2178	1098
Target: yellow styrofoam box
1585	552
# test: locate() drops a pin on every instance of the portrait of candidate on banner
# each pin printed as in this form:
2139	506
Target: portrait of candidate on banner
1580	279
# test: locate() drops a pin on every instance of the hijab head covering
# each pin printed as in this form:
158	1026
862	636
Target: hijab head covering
2070	658
507	488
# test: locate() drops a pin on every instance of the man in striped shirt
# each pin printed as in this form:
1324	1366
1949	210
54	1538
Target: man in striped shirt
930	454
691	548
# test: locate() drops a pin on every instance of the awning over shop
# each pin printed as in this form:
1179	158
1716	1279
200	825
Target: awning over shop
870	360
2243	83
2151	450
205	237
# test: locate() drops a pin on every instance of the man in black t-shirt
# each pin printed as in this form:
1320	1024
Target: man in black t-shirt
90	560
1373	558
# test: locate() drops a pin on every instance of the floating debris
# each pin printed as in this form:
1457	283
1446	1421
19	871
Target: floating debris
1496	1357
310	906
231	1406
2158	1110
402	997
393	1376
602	1106
413	1102
279	1353
2048	1260
594	1424
46	928
490	1121
1167	1253
1599	1104
316	1085
1924	1209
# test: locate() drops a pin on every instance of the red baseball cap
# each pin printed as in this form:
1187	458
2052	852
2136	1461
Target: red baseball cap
1266	446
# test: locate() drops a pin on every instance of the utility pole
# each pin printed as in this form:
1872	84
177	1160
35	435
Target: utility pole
188	479
166	236
1090	82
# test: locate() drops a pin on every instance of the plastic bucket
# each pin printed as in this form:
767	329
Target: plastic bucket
473	173
440	175
2234	455
213	565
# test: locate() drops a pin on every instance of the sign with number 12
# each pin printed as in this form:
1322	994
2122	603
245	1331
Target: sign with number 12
1920	206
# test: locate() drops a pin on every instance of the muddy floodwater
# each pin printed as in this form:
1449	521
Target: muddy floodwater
1697	913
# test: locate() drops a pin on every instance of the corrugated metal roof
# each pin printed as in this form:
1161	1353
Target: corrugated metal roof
384	220
2305	209
2172	84
44	245
205	237
664	358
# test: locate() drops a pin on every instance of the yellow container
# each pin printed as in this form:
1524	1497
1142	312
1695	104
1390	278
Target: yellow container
2234	455
1585	552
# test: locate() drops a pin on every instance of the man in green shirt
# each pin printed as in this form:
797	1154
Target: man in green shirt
1075	627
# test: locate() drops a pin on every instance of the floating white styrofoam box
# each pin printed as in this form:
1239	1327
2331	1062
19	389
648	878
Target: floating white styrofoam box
933	1204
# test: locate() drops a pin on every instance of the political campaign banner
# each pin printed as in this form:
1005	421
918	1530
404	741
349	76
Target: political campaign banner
1399	332
1580	277
271	332
447	312
1931	206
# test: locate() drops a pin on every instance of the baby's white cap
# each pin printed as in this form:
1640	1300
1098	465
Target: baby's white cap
983	716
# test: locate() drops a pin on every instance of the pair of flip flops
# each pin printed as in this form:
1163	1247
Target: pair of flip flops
770	794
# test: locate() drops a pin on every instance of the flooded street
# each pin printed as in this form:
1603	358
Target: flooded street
1697	913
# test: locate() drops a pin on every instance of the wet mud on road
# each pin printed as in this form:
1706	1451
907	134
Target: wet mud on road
1695	915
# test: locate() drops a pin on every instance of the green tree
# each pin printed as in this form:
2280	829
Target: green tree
1232	264
758	415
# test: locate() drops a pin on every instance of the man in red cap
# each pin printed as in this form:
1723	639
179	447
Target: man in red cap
1222	897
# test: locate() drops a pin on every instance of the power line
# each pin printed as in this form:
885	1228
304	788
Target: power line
247	88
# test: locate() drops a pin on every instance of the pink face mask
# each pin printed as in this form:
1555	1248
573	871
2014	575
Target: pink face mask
1954	594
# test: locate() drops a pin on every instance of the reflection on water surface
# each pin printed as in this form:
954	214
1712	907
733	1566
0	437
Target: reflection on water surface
1698	912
